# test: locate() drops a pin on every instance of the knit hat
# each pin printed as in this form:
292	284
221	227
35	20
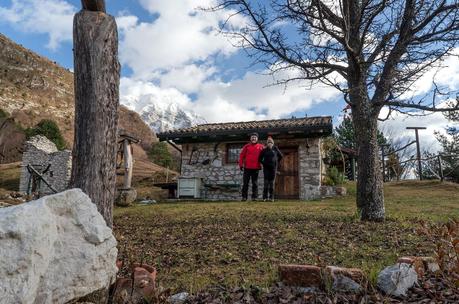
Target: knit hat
270	140
254	134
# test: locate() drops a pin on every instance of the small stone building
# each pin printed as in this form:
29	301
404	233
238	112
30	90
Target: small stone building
42	158
210	154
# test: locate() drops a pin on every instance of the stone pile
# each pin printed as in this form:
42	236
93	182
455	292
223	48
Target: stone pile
393	280
314	278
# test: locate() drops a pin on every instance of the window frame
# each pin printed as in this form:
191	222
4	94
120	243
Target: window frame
227	153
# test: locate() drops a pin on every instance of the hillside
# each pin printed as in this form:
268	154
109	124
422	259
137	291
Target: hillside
33	88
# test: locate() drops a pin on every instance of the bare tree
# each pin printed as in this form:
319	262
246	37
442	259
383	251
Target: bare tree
97	73
370	50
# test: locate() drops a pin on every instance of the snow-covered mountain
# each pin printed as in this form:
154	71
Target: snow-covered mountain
161	115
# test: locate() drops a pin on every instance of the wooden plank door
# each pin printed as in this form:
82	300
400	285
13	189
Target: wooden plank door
287	179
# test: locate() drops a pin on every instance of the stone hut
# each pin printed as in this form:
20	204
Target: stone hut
45	170
210	153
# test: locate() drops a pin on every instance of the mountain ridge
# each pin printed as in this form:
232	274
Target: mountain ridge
33	88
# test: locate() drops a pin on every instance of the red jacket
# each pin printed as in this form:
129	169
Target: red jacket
249	156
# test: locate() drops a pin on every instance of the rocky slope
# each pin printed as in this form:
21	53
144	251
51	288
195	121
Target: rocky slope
33	88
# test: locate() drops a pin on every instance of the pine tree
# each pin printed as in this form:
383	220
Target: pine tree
345	134
160	155
50	130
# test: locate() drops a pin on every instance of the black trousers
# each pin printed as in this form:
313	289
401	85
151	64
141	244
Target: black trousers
250	174
268	189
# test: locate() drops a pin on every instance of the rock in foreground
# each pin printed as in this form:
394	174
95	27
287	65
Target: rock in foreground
54	250
397	279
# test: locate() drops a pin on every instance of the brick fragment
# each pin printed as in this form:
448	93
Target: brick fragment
301	275
355	274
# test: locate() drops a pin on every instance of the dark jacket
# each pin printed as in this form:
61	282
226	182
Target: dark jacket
270	159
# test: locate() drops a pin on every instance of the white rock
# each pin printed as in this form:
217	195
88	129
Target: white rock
179	298
54	249
397	279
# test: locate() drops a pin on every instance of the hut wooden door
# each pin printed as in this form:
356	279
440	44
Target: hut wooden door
287	179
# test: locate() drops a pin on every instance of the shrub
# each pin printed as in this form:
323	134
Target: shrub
50	130
3	114
445	237
333	177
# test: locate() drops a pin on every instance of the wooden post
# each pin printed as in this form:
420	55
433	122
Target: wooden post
383	162
353	167
128	164
440	167
418	148
97	74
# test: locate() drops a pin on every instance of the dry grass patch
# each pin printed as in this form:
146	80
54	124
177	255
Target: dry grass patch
195	245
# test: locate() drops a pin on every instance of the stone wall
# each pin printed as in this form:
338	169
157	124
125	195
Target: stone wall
41	152
223	181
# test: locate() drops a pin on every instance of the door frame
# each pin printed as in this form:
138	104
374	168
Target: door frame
297	179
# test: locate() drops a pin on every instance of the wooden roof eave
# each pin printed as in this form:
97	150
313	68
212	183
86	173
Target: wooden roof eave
233	135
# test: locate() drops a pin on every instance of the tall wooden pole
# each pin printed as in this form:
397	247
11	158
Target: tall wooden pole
418	148
97	74
383	161
128	164
440	168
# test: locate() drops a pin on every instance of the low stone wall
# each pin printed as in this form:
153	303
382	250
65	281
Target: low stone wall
40	152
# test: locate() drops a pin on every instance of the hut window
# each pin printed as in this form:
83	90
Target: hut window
232	152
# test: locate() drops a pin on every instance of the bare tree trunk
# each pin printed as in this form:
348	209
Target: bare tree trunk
370	196
128	164
97	73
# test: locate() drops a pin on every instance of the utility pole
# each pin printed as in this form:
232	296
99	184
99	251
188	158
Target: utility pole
418	148
440	167
383	162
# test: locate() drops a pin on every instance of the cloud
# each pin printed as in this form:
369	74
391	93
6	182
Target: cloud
179	34
51	17
446	77
249	98
396	128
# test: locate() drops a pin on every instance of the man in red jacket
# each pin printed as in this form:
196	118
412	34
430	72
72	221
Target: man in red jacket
248	162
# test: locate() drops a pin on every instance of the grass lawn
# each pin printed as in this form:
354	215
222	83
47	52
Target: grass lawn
195	245
9	177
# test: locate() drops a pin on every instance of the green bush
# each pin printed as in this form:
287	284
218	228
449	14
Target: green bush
3	114
50	130
160	155
333	177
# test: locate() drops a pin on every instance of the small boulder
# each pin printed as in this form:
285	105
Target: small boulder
345	279
342	283
430	264
54	250
179	298
397	279
415	262
125	197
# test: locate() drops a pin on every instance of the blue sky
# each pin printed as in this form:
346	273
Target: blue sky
170	53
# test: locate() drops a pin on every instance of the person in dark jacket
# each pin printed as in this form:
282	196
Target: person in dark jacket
269	158
248	162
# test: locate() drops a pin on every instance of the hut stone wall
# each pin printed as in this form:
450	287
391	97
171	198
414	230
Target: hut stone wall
223	181
40	152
